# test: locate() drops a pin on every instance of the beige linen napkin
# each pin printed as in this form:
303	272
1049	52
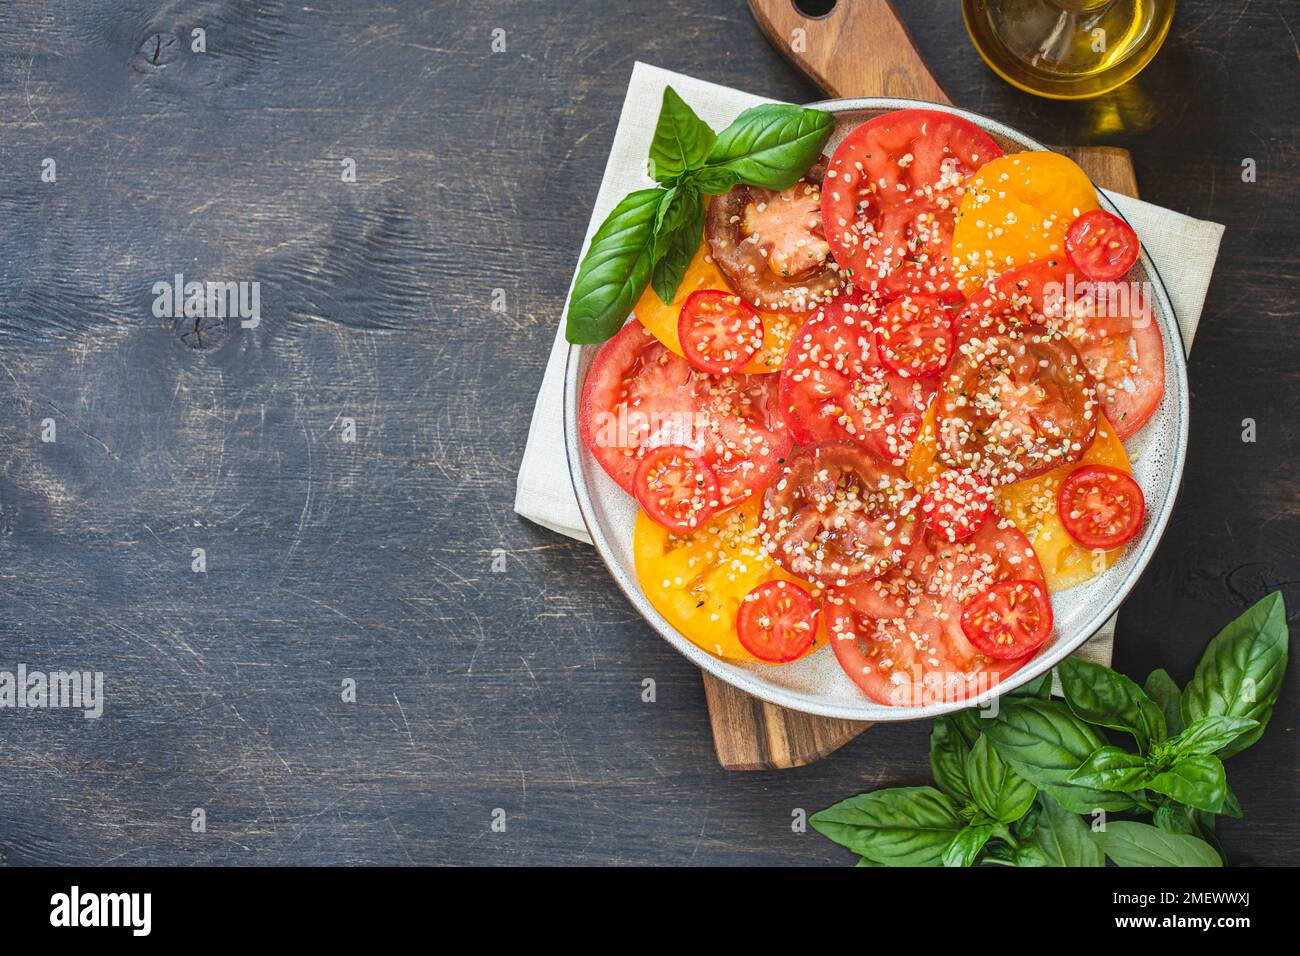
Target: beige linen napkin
1183	250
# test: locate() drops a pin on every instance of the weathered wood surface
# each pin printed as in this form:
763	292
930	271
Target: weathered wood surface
372	560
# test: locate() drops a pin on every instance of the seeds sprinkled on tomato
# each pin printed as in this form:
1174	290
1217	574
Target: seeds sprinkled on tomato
914	337
956	505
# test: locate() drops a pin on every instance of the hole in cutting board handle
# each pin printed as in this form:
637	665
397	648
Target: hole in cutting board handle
814	9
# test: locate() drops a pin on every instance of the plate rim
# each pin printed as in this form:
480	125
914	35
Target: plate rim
743	679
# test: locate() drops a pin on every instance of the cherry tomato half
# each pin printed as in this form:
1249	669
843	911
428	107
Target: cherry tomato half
956	505
914	336
1009	620
1101	246
676	487
1101	507
777	622
719	332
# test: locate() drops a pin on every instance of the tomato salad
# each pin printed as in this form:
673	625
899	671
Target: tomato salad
884	409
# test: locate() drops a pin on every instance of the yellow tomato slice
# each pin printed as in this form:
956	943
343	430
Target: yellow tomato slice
1031	504
697	580
1017	209
778	328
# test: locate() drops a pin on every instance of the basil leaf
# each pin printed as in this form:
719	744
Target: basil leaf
1128	843
1040	687
1241	671
863	861
677	238
1162	689
1030	856
1045	743
997	789
1231	805
1209	734
772	145
1197	781
1102	697
1112	768
1025	826
713	180
967	723
1063	838
1173	817
966	845
1205	824
906	826
948	752
682	140
615	270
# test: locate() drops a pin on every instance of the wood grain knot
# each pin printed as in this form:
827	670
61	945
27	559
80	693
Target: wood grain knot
203	333
155	52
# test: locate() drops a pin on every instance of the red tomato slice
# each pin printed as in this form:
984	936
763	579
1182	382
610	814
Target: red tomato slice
1016	299
914	337
1120	342
891	191
1101	246
956	505
1101	507
1009	620
777	622
676	487
638	395
899	637
836	513
719	332
835	388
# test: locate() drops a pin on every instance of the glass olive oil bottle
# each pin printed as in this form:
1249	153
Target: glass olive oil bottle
1067	49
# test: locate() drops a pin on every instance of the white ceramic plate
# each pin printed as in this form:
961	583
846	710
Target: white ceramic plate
816	684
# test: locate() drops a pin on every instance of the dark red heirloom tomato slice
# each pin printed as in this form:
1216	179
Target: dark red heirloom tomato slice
718	331
835	388
1109	324
899	637
914	336
891	191
836	513
1101	246
676	487
1009	620
1015	407
1101	507
956	505
777	622
638	395
770	246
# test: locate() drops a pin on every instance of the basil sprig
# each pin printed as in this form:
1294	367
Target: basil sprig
1012	786
652	234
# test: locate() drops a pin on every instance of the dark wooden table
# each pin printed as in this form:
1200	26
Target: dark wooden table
372	560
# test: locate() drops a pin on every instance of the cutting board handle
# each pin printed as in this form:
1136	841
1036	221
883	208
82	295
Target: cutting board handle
860	48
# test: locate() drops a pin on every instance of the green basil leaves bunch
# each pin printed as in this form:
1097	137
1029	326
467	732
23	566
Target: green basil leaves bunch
652	234
1011	788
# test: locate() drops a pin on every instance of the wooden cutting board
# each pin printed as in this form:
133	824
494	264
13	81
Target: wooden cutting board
860	48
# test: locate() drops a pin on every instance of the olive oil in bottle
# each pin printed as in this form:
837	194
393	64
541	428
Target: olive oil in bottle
1067	49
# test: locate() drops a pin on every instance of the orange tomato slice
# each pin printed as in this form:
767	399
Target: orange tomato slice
1017	209
1031	505
778	328
697	580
